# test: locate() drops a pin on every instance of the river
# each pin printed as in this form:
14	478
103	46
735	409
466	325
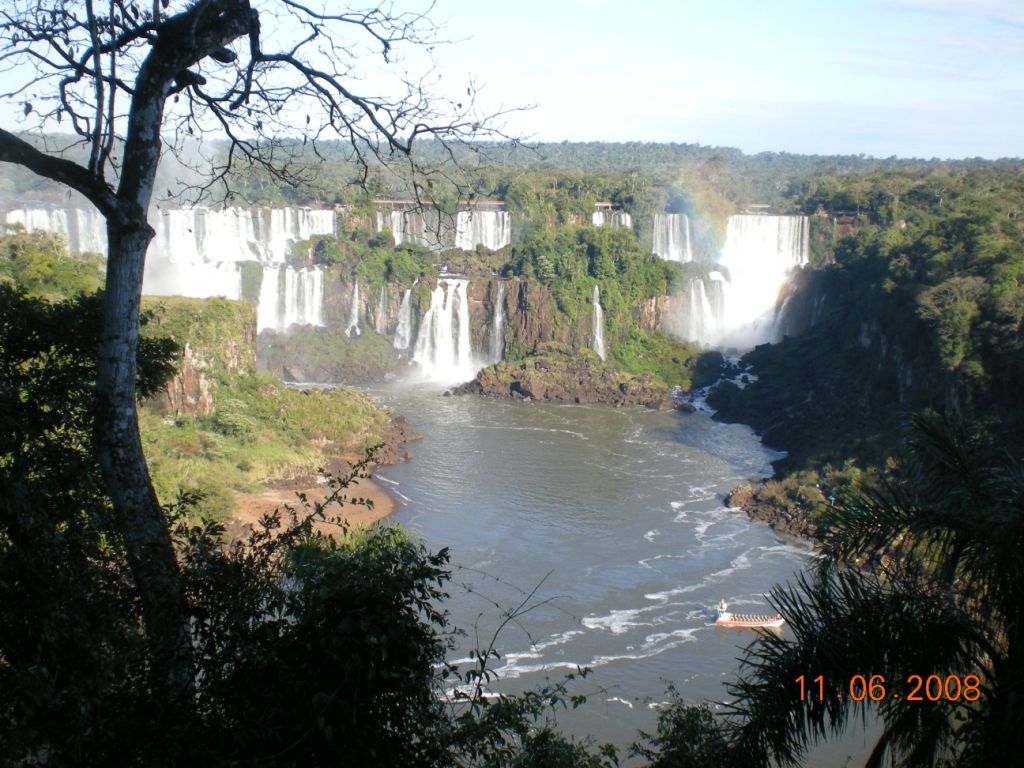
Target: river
616	518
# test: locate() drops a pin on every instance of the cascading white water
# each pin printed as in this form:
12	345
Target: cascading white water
443	343
353	313
462	341
736	304
434	229
498	326
407	226
395	222
672	237
84	230
290	297
703	321
598	324
380	318
193	235
491	229
819	308
198	251
758	256
403	333
425	348
611	219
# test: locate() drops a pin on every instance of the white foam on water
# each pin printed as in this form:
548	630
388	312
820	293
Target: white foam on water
511	665
688	502
512	671
620	700
797	551
552	430
652	534
683	635
741	562
646	562
653	648
559	639
512	658
462	693
393	489
617	622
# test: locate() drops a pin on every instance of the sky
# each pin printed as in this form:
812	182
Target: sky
911	78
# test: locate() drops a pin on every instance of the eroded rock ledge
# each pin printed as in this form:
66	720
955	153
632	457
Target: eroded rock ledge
794	522
559	375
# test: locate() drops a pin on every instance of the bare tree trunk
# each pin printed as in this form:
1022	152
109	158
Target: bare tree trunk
183	41
119	450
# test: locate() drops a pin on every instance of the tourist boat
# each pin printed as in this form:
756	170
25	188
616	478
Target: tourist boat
727	618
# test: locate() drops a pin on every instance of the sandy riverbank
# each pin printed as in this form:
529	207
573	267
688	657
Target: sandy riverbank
250	507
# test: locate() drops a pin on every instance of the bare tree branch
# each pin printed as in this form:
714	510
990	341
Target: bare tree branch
16	150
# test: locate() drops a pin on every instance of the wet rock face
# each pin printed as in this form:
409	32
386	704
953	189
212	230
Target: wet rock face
791	522
392	451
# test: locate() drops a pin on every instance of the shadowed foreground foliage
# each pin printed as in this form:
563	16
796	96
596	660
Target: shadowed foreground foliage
922	576
310	650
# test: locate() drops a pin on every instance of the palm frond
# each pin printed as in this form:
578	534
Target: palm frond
845	625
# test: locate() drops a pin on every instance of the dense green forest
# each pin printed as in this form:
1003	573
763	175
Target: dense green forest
921	306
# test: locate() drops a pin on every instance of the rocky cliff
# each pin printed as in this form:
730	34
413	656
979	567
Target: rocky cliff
217	339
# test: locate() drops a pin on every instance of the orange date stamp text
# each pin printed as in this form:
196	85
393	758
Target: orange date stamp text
877	688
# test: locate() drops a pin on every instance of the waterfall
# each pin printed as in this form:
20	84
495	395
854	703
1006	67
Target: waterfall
380	319
290	297
702	320
443	343
598	324
85	231
672	237
434	229
462	341
396	223
198	252
736	305
404	330
188	236
353	313
498	326
426	340
819	307
758	256
491	229
407	226
611	219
